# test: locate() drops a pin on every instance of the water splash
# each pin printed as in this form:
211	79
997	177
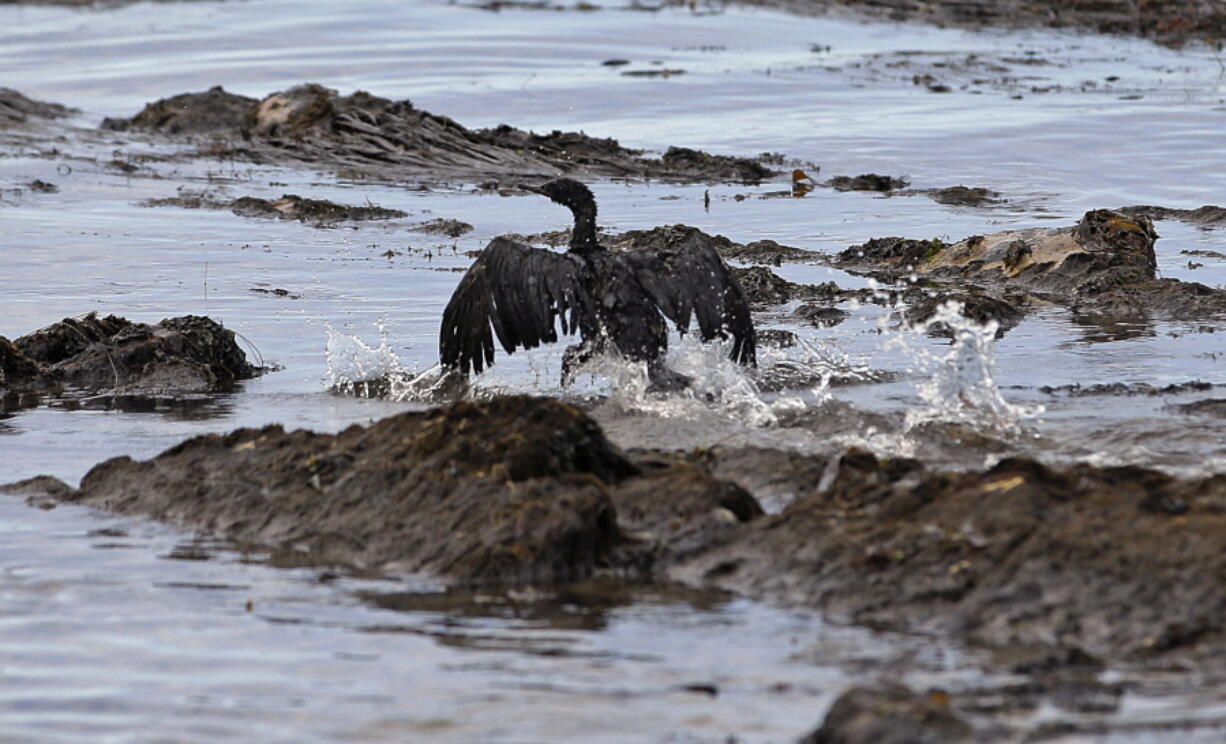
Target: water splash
960	385
787	380
809	368
353	366
717	384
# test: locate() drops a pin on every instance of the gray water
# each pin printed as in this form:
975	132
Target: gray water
121	630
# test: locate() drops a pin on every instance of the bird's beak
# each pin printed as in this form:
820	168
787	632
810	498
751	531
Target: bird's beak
530	187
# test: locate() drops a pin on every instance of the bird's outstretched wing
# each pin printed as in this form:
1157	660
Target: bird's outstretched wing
688	278
520	292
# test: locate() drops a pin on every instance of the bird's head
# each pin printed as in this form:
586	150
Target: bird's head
575	196
567	192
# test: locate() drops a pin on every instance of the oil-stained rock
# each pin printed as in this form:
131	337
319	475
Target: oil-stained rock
764	287
686	160
1119	562
866	182
890	714
17	109
1207	216
213	111
1120	388
1083	562
777	338
317	212
1215	407
820	315
186	354
979	307
765	252
664	237
698	511
1174	22
313	211
506	491
480	493
364	133
443	226
964	196
1103	266
16	369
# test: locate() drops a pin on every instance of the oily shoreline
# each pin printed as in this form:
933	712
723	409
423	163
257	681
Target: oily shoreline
998	557
1170	22
1056	572
377	137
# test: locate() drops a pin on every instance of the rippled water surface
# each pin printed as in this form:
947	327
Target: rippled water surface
115	626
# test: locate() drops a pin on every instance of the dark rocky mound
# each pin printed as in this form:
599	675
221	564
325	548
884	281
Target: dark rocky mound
185	354
1206	216
764	288
17	109
891	253
1105	266
446	227
664	237
1121	388
820	315
1173	22
684	160
507	491
866	182
314	211
1119	562
1215	407
890	714
979	307
213	111
964	196
313	124
1116	563
17	370
776	338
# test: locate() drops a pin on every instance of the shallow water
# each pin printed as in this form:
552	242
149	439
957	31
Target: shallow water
107	639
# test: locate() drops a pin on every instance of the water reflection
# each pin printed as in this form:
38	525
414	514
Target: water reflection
578	606
1096	329
176	408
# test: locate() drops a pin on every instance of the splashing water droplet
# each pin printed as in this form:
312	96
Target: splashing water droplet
962	387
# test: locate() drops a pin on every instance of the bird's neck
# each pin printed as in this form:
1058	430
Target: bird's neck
583	236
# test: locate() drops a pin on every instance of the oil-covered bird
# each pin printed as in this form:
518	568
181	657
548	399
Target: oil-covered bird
613	298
